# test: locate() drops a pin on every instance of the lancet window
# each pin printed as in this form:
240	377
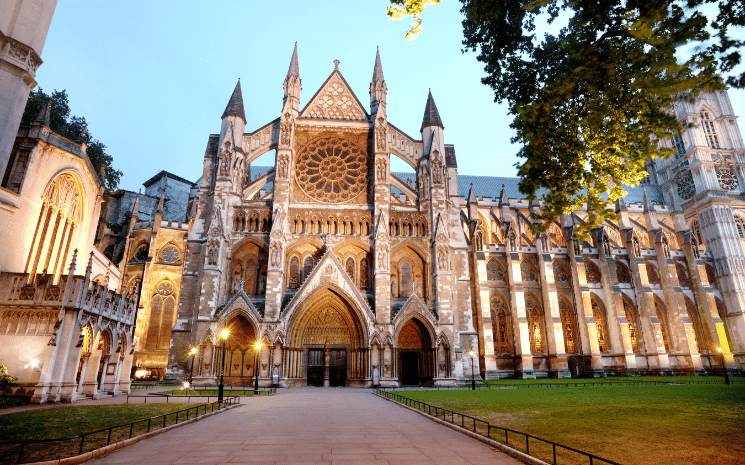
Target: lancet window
630	312
680	149
568	324
740	224
294	273
60	215
350	268
500	328
662	316
598	312
709	130
535	324
364	274
162	314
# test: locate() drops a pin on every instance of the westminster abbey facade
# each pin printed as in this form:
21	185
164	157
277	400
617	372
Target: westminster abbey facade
351	274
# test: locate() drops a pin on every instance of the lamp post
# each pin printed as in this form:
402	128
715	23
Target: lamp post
224	336
257	346
193	353
473	380
724	366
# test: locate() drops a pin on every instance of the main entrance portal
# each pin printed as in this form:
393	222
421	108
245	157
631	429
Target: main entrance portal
326	345
416	355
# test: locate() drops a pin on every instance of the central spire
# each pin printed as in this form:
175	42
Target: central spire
378	71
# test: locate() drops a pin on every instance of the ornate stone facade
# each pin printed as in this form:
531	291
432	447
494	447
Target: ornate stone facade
351	274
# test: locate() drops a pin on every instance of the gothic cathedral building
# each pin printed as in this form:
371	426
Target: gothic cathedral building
353	275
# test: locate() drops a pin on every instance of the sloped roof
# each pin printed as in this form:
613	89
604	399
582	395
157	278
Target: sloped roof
431	115
235	104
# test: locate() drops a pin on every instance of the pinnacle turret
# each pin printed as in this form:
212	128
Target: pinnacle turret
294	70
378	71
43	117
431	115
235	105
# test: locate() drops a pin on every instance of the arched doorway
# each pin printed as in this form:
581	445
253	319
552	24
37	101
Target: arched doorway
240	354
415	354
327	343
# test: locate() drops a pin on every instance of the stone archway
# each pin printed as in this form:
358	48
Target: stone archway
240	354
327	343
416	357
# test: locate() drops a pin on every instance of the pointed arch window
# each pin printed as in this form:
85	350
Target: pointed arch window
698	331
500	329
561	274
683	278
162	315
623	273
350	268
249	284
569	327
662	316
307	267
364	274
406	280
630	312
494	271
535	324
592	273
528	271
294	273
710	131
680	148
598	312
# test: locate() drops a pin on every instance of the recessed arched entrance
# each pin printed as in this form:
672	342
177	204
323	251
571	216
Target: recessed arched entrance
240	354
416	357
327	343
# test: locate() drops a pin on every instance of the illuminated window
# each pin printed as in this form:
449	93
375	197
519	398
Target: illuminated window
350	268
662	316
709	130
162	315
567	323
598	312
535	324
499	325
630	312
364	274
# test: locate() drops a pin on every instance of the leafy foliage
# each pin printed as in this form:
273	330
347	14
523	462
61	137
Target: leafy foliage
72	128
6	380
589	101
403	8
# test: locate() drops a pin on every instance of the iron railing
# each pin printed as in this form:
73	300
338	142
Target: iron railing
157	397
486	429
38	450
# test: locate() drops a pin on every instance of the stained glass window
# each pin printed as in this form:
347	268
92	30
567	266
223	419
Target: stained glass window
363	274
528	272
561	275
630	312
592	272
686	186
294	273
683	277
499	325
598	313
623	274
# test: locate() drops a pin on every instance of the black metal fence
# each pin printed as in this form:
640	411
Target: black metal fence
39	450
542	449
157	397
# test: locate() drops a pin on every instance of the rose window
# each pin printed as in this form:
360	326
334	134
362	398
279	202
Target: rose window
164	288
686	187
332	169
169	254
727	179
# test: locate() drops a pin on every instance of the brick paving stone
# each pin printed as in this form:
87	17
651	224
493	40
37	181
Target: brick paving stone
319	426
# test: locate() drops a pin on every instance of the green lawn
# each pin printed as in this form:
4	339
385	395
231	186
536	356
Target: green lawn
656	425
615	380
60	422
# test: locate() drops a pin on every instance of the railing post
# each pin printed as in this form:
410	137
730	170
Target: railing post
82	440
148	425
108	440
527	444
554	446
131	427
20	452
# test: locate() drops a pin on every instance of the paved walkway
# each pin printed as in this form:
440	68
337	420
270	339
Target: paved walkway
312	426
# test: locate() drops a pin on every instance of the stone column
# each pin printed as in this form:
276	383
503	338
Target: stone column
558	364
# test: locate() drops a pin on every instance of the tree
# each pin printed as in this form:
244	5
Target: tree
72	128
589	101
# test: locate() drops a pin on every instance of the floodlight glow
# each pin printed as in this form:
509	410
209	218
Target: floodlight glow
140	373
258	345
194	351
34	363
224	333
186	385
470	352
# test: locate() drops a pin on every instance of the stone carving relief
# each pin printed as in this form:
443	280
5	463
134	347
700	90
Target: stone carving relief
380	170
275	254
226	155
285	129
382	257
335	101
436	168
380	130
283	162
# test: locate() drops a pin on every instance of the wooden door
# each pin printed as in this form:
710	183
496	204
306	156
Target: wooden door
315	367
338	367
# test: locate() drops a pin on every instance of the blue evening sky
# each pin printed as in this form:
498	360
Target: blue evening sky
152	78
